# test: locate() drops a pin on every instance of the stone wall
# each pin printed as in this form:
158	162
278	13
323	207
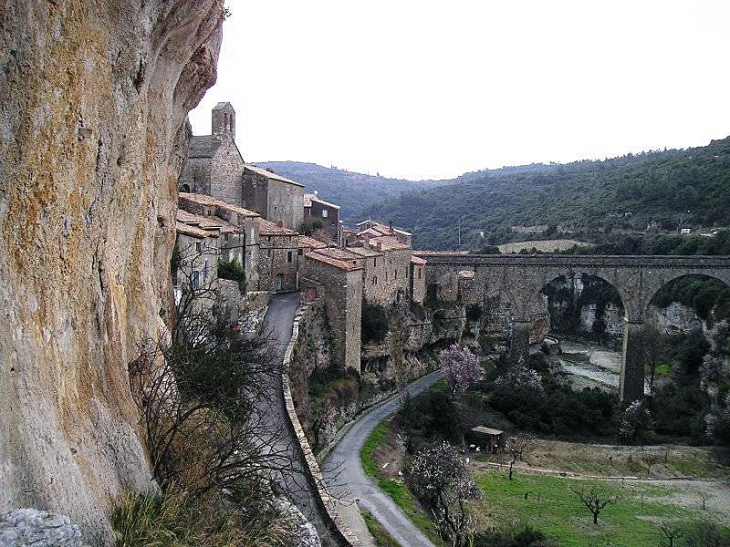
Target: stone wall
386	277
93	103
343	306
196	176
225	173
340	533
285	203
279	256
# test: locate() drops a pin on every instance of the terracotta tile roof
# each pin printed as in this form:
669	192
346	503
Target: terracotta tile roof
270	229
309	198
384	229
306	242
202	199
418	261
346	265
192	231
388	243
270	175
364	251
339	254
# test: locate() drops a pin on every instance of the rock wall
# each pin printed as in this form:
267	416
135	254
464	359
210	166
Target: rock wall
93	99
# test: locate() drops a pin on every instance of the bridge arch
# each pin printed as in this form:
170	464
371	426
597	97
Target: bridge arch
722	277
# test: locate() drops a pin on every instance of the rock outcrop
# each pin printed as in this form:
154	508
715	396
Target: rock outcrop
93	100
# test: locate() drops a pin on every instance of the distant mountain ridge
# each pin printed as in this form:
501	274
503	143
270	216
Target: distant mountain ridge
354	192
666	188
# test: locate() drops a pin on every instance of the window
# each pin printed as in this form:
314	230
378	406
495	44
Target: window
300	252
386	275
395	274
375	261
227	237
289	256
197	246
195	281
419	273
406	272
268	253
375	280
325	212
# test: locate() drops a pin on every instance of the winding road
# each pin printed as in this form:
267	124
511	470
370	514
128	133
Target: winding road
349	484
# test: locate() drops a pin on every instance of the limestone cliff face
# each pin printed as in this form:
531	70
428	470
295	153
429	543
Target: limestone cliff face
93	96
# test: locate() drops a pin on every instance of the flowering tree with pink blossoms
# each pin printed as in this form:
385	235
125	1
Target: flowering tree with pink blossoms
461	367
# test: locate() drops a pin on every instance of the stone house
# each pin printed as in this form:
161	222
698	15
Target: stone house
274	197
239	238
341	275
197	259
371	228
322	214
278	259
417	282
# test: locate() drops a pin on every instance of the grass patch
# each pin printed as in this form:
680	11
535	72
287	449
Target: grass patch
397	491
380	534
548	504
576	357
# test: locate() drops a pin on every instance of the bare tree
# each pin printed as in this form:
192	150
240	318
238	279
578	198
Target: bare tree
654	350
440	479
704	496
649	460
594	499
670	532
516	447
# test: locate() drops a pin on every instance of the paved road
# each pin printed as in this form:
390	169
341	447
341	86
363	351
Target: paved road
348	482
278	442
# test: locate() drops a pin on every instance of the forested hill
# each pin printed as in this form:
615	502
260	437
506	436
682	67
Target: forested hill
585	199
354	192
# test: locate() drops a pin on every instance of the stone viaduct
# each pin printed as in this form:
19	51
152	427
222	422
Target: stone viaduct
518	280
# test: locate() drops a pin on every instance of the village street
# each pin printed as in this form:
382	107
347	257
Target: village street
347	480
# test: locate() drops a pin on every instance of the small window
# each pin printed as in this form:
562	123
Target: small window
386	275
268	253
375	261
325	212
197	246
395	274
375	280
406	273
289	256
195	281
300	252
227	237
419	273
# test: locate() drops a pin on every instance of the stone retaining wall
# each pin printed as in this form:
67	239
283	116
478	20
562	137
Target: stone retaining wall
340	532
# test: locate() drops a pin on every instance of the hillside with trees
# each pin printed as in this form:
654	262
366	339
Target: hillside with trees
354	192
651	192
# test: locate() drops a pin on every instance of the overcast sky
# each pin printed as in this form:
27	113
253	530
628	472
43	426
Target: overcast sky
432	89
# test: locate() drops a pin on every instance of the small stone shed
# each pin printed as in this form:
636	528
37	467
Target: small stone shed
488	438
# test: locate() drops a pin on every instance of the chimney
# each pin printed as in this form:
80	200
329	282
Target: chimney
366	242
391	226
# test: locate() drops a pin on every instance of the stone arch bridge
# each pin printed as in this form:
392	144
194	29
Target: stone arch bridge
520	278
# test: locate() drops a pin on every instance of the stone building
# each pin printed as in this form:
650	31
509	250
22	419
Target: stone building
341	275
197	262
215	165
371	228
417	280
278	260
239	230
274	197
322	214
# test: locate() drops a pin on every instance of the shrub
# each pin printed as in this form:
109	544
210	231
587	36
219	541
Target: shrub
233	271
374	323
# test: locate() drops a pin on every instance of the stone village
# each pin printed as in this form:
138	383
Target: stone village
233	211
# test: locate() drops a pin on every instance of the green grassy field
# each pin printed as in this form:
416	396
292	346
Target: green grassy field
397	491
380	534
555	510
